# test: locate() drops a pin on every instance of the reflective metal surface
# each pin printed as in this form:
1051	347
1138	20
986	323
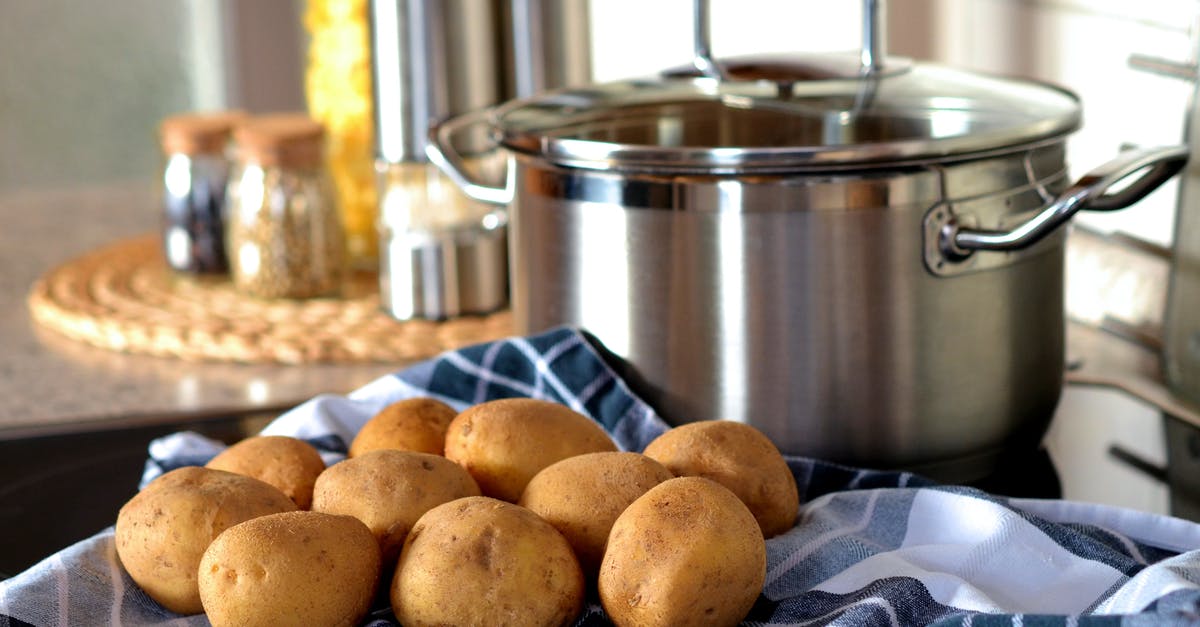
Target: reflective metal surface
444	273
443	255
194	212
874	44
801	304
955	232
677	125
430	59
1092	191
550	45
702	58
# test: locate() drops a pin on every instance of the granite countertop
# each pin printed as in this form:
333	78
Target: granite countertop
52	384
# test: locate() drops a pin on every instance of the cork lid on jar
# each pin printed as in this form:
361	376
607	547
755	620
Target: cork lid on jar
290	140
198	133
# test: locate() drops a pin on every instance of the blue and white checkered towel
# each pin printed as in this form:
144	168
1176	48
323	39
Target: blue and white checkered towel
870	548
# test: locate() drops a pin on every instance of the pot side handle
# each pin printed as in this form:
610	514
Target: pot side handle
1089	192
441	152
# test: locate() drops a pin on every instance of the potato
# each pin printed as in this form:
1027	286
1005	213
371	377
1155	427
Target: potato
582	497
296	568
415	424
163	530
481	561
738	457
504	443
287	463
688	552
388	490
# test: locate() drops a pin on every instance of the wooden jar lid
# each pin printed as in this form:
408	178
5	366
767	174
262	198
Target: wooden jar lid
198	133
281	139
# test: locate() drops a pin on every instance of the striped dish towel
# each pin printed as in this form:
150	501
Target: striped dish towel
869	548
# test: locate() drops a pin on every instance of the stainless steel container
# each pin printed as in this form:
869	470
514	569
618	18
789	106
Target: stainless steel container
866	267
443	254
431	58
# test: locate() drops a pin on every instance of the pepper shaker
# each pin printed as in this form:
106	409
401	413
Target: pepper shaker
194	182
285	235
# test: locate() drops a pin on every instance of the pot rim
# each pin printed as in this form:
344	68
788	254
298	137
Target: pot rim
923	113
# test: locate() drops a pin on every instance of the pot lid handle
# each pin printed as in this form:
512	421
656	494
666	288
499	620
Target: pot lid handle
872	55
702	42
874	36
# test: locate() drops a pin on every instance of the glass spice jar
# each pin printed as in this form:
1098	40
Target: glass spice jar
285	237
194	181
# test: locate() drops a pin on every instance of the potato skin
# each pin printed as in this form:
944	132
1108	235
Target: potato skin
389	490
688	552
481	561
163	531
414	424
504	443
290	464
738	457
582	497
295	568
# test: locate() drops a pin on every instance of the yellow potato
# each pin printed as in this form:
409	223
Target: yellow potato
504	443
481	561
688	552
296	568
163	530
582	497
415	424
388	490
738	457
287	463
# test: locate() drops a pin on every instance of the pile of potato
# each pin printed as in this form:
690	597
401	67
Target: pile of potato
507	513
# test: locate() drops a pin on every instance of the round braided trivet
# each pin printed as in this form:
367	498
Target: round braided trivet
123	297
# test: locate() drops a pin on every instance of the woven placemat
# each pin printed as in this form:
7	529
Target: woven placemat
123	297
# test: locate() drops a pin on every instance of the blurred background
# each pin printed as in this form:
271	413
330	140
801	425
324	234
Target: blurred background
83	86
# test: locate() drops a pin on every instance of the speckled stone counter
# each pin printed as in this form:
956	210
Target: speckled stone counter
51	384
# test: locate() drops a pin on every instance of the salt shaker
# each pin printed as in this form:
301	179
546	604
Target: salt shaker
194	182
285	237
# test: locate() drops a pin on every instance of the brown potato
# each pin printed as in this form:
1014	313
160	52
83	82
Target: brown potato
738	457
504	443
163	531
582	497
688	552
481	561
415	424
287	463
296	568
388	490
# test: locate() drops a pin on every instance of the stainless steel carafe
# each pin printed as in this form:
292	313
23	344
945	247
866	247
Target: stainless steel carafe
443	254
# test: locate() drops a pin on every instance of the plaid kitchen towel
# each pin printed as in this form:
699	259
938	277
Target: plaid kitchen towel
869	548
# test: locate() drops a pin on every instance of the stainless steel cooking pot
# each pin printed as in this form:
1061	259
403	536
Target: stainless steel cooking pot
867	266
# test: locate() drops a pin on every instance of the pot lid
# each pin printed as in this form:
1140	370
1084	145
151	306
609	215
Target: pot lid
910	113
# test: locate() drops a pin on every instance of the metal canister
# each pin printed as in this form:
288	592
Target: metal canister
549	46
442	253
